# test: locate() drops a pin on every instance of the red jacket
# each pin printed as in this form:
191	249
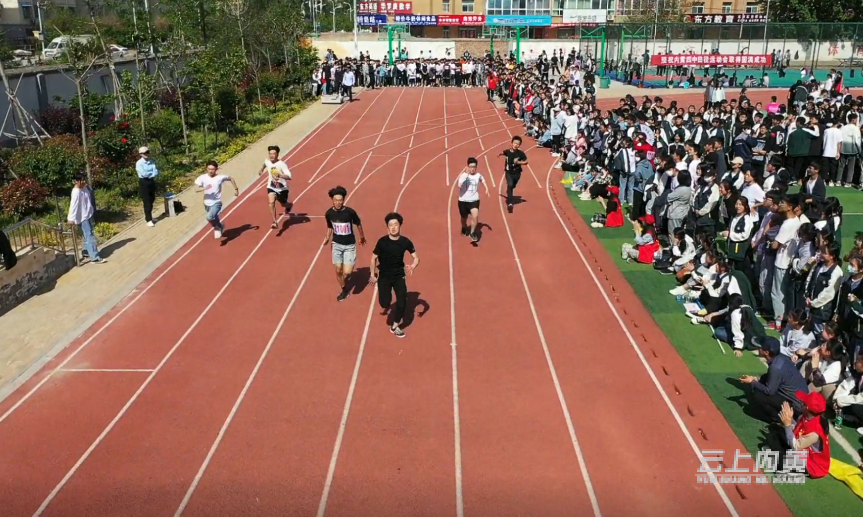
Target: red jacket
817	463
647	252
614	219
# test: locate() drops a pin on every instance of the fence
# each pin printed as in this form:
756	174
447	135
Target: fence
29	234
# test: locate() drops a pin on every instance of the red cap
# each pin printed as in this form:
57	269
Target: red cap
814	401
647	219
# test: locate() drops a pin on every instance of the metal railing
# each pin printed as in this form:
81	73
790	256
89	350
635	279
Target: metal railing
29	234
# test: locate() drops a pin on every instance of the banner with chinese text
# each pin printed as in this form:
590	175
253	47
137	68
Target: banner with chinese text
711	59
726	18
385	7
372	19
460	19
415	19
579	16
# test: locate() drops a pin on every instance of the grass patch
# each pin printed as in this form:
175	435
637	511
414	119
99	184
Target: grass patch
700	351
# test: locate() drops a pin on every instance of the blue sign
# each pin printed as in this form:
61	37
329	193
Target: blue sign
416	19
519	21
372	19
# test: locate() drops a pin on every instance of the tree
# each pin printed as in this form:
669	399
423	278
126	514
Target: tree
656	11
814	11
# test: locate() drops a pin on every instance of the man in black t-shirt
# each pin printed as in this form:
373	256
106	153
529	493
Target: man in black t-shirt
389	269
515	158
340	229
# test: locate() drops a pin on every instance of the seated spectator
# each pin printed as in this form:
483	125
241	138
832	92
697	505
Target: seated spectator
808	433
798	339
826	367
646	243
779	385
738	326
848	397
613	216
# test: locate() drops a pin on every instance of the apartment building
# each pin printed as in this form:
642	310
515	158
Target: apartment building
545	18
20	18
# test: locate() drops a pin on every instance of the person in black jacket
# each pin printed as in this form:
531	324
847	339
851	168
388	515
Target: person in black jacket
780	384
9	257
814	185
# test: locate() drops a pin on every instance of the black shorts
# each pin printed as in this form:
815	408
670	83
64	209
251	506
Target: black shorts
282	196
464	207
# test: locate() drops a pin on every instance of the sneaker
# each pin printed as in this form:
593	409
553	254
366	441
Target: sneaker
509	208
555	154
558	166
465	232
397	332
343	295
473	237
151	224
99	260
697	320
678	291
860	431
773	326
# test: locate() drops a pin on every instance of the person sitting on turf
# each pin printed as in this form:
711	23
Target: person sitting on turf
848	397
826	367
779	385
646	243
737	325
798	339
808	433
613	216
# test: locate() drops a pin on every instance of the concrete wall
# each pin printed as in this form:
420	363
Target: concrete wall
36	272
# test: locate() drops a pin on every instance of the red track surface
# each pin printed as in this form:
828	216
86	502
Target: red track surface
532	380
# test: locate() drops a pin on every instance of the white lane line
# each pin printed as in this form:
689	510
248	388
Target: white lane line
200	474
471	114
689	438
322	506
309	138
445	127
490	173
105	370
363	168
456	412
446	158
405	170
395	105
591	493
315	175
416	121
144	385
538	184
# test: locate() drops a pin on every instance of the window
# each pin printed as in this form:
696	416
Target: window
726	7
519	7
467	33
27	11
753	7
467	6
698	8
445	32
446	7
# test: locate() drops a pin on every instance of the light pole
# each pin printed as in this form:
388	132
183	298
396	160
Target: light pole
356	43
41	29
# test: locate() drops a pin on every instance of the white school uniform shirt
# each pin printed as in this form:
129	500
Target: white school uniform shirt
786	236
280	167
212	187
81	205
468	186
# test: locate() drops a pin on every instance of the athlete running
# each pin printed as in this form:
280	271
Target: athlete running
211	185
341	220
468	198
277	185
515	158
389	269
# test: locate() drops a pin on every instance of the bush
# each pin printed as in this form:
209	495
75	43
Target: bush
60	120
54	164
110	200
166	128
104	231
23	196
114	143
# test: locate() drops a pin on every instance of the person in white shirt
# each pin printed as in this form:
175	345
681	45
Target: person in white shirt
81	212
277	184
831	151
468	198
348	84
785	245
211	185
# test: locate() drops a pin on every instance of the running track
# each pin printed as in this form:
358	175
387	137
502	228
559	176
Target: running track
532	381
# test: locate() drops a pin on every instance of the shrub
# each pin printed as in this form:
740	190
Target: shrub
58	119
166	128
23	196
104	231
110	200
53	164
115	143
168	99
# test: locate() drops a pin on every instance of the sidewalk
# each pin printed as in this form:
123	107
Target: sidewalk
38	329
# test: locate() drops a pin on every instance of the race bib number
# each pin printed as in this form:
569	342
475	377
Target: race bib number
342	228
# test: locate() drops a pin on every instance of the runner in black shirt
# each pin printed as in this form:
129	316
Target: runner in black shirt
515	158
389	269
340	229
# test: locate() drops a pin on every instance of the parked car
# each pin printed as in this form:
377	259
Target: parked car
58	46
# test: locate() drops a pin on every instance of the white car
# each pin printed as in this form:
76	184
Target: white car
117	50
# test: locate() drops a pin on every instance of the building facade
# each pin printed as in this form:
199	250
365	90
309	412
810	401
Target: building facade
545	18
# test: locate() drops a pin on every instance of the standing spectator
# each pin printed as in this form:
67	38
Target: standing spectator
348	84
147	172
849	151
81	212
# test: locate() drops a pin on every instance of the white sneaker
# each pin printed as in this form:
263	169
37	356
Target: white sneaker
555	154
151	224
679	291
557	166
217	233
860	431
697	320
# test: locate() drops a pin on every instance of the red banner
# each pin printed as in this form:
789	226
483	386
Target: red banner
461	19
385	7
711	59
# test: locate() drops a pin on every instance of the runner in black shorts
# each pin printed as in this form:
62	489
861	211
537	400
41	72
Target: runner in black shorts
468	198
515	158
389	269
277	184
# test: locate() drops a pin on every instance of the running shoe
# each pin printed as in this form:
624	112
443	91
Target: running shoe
473	237
343	295
99	260
217	233
465	232
860	431
679	290
397	332
509	208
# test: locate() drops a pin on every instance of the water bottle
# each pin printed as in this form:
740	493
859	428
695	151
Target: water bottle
838	423
679	298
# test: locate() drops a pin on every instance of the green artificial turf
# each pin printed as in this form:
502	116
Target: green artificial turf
717	371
